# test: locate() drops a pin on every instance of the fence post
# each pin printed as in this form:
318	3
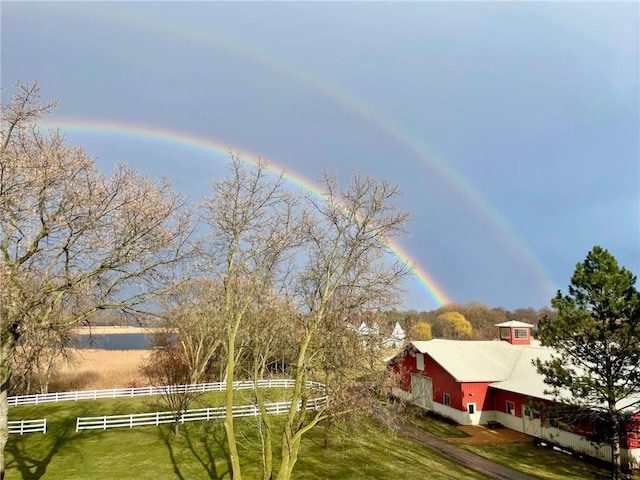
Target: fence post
77	424
44	426
104	423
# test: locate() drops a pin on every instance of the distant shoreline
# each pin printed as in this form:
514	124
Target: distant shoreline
115	330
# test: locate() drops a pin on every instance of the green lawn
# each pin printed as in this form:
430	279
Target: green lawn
370	452
539	462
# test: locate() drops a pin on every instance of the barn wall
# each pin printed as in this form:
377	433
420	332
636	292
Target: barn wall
633	433
402	368
443	383
501	397
479	394
448	412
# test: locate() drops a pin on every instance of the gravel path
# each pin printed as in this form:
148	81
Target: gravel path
463	457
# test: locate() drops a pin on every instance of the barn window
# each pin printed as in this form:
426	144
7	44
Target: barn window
511	408
420	361
521	333
505	332
471	408
447	399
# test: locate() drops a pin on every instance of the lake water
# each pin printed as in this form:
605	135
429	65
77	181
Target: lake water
122	341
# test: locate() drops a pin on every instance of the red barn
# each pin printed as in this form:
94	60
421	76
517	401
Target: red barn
477	382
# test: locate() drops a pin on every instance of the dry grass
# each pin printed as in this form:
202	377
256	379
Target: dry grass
93	369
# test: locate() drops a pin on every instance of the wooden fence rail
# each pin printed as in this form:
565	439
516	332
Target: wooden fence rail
199	414
146	391
28	426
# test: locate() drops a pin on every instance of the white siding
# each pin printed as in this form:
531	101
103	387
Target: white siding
567	440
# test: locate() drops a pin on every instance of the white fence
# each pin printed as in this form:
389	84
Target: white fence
28	426
200	414
146	391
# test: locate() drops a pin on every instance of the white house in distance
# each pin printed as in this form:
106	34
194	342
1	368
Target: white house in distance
394	340
477	382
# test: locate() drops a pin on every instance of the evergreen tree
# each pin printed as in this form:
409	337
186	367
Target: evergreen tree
597	339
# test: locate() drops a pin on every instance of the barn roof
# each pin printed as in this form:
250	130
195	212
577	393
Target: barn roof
515	324
472	361
525	379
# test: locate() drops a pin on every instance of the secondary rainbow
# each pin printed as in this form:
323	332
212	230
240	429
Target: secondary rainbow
212	38
187	140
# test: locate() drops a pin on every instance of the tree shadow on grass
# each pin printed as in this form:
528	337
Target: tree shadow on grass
167	436
201	442
33	468
212	436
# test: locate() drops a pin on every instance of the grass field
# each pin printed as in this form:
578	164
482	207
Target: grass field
368	451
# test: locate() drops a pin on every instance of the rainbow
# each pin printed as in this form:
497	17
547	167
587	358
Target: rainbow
164	135
516	245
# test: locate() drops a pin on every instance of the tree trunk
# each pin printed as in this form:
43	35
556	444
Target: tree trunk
6	348
234	458
290	439
616	466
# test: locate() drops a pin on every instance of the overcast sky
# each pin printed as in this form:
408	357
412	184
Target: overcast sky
511	128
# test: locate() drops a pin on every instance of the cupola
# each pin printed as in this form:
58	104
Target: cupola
514	332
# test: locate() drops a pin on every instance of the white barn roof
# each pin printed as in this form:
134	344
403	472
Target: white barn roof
472	361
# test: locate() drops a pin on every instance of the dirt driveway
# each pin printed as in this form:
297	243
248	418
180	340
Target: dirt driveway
479	435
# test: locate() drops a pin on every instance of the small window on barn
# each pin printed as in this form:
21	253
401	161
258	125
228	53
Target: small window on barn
471	408
447	399
521	333
420	361
505	332
511	408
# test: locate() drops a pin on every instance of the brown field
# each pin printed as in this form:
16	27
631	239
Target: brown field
92	369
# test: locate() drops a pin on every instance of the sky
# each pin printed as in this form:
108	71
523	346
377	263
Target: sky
512	129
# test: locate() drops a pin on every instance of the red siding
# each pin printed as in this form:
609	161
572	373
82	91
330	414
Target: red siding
479	394
403	367
443	383
501	397
632	439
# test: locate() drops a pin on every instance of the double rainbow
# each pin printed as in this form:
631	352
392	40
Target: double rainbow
163	135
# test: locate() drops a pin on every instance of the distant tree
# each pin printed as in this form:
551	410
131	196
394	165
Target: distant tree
483	318
420	331
454	325
597	338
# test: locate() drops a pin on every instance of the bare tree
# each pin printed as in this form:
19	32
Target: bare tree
291	274
167	368
192	315
71	238
348	270
254	229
